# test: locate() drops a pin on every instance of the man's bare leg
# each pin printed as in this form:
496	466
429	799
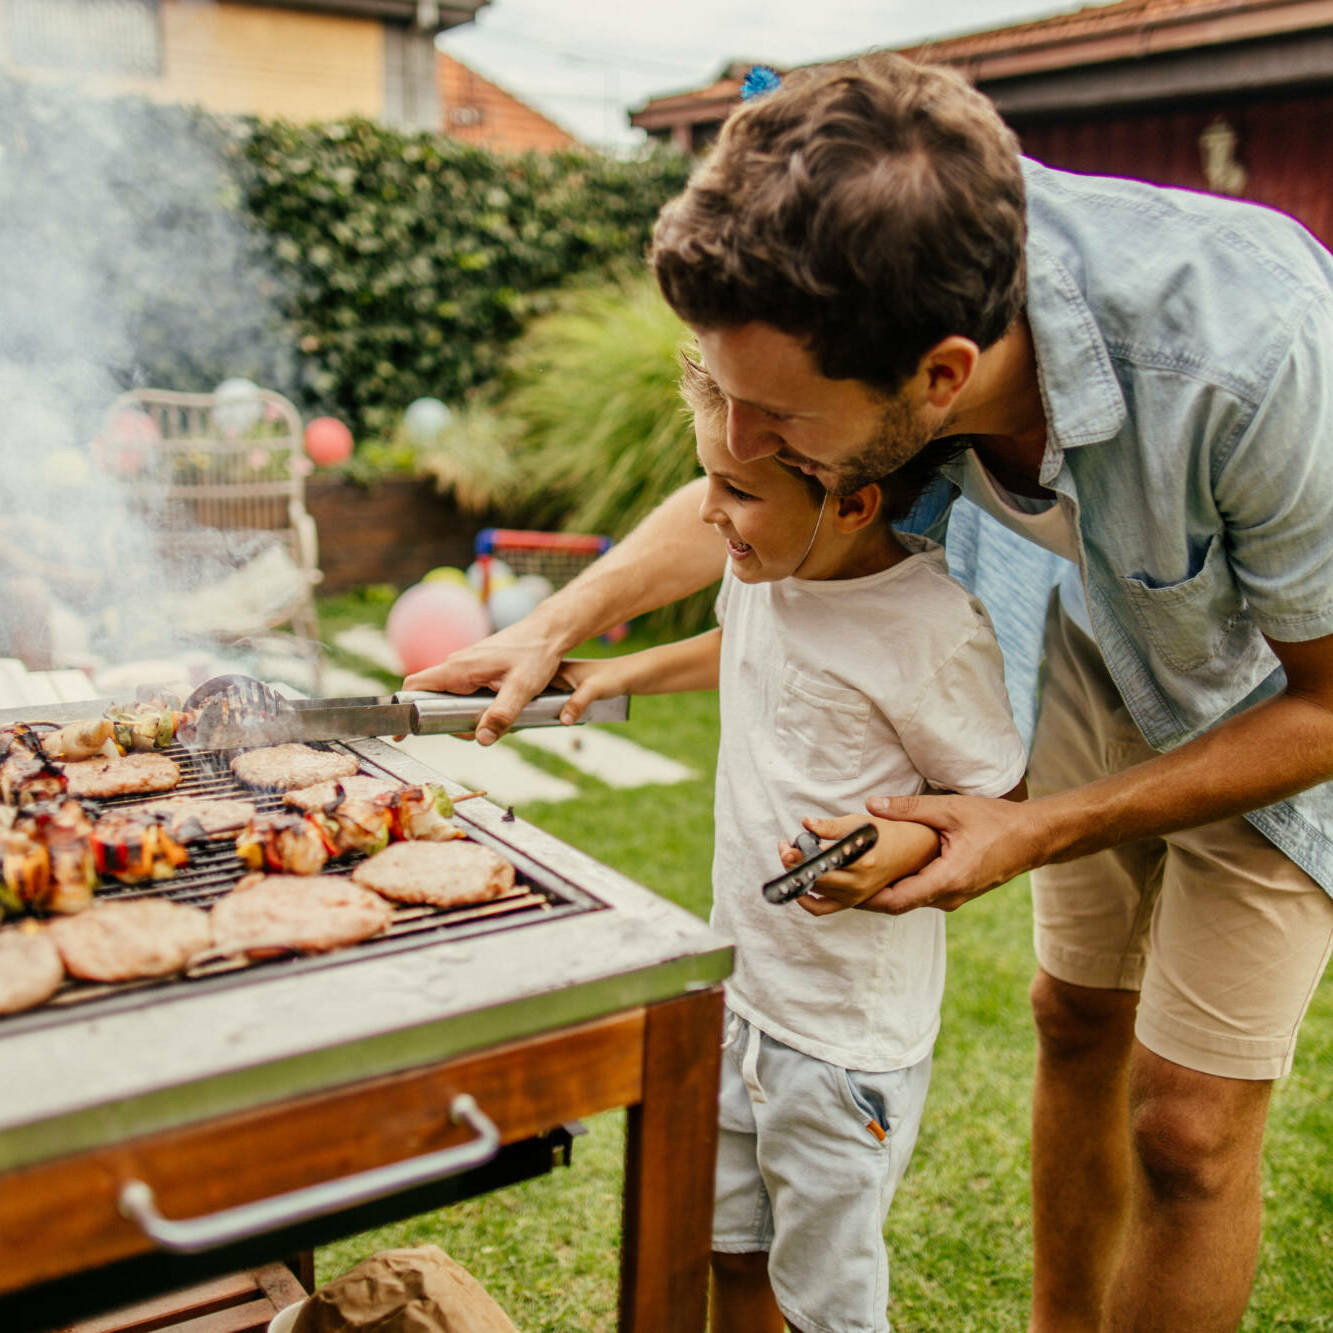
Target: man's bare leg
741	1299
1193	1235
1080	1149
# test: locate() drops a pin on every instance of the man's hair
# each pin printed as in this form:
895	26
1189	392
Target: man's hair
869	209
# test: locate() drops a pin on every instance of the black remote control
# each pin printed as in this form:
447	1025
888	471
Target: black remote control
801	879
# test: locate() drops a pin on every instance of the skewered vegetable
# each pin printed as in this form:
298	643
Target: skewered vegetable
143	726
355	823
421	813
27	776
49	858
80	740
134	845
286	843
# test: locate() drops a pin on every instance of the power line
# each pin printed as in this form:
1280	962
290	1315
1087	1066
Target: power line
582	57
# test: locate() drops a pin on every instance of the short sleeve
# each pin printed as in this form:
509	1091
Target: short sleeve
1275	491
723	597
961	735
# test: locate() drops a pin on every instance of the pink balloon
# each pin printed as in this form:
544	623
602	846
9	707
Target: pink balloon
328	441
125	447
431	620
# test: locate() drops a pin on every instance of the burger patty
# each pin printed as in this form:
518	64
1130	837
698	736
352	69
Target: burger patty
358	787
123	941
284	767
305	913
30	968
121	776
444	874
190	818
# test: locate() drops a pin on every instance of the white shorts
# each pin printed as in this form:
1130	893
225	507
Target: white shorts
809	1156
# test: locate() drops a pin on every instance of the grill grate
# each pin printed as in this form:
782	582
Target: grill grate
539	895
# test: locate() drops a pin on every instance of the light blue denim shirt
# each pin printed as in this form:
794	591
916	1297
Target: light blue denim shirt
1185	354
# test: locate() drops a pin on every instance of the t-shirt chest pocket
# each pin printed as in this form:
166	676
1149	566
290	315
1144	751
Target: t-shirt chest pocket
820	726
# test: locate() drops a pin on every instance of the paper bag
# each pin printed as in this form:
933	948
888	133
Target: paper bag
415	1290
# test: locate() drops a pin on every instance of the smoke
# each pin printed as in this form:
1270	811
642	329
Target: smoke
125	261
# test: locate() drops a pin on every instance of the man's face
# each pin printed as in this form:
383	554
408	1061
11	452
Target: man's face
842	431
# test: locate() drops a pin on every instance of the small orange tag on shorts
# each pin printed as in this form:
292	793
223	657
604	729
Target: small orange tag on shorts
876	1129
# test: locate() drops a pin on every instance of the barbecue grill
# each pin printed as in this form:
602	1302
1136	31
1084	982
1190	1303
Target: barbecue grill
244	1111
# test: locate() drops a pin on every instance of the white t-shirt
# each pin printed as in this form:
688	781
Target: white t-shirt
833	691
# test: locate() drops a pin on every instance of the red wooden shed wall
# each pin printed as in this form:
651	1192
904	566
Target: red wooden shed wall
1284	144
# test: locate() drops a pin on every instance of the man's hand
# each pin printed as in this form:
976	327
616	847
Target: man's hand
984	842
517	663
900	849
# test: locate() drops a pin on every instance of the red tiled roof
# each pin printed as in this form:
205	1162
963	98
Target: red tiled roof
474	110
1094	33
1119	30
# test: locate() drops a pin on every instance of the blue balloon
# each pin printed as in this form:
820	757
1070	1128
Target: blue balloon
424	419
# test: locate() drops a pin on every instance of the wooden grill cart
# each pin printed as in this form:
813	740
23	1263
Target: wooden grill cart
155	1135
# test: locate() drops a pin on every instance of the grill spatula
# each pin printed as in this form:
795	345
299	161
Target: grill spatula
232	712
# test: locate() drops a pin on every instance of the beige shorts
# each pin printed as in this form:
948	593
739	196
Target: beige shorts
1224	938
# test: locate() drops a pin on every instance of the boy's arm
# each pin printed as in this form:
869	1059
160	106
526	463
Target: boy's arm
670	668
668	556
901	850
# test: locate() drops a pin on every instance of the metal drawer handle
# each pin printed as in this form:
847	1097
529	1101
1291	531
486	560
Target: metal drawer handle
137	1201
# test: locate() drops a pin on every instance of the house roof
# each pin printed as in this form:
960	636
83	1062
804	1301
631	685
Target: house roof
477	111
1065	45
438	15
1124	29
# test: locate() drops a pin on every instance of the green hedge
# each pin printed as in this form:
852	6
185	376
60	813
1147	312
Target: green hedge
412	260
352	265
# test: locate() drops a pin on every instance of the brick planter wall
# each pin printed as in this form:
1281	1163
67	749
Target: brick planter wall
392	532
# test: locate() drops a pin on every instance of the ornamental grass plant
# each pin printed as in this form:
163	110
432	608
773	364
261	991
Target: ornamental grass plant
585	430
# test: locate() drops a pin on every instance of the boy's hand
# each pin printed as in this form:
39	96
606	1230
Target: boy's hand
589	679
902	849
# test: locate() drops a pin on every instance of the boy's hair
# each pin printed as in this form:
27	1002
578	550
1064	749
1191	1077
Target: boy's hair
869	209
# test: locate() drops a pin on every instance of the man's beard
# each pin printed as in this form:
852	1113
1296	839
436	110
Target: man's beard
899	436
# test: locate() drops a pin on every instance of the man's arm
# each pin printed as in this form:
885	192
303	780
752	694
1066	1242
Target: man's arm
1267	753
668	556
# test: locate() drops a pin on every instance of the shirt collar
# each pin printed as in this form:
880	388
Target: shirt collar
1079	389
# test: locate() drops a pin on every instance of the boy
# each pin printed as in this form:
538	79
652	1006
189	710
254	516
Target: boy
832	1018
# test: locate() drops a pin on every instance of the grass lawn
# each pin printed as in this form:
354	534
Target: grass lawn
959	1232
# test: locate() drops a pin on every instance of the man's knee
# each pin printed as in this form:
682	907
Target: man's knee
1195	1135
1074	1021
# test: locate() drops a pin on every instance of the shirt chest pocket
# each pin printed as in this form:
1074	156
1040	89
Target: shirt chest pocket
1196	621
820	727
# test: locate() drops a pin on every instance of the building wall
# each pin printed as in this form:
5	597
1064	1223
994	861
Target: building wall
1282	143
476	111
232	57
235	57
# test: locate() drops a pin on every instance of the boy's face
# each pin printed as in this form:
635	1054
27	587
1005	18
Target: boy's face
778	403
766	514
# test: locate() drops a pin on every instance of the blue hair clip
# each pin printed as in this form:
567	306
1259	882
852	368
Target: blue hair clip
761	79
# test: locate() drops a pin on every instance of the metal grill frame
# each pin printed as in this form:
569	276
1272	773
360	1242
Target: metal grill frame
214	870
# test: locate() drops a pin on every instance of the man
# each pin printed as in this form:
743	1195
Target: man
1143	380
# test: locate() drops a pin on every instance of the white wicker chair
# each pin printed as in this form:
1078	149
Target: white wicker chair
222	480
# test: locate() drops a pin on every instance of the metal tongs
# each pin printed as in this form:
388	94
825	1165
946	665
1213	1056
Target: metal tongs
234	711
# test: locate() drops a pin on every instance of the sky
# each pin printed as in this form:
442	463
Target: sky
586	63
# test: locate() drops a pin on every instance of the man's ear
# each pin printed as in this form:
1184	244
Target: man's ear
946	368
853	512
